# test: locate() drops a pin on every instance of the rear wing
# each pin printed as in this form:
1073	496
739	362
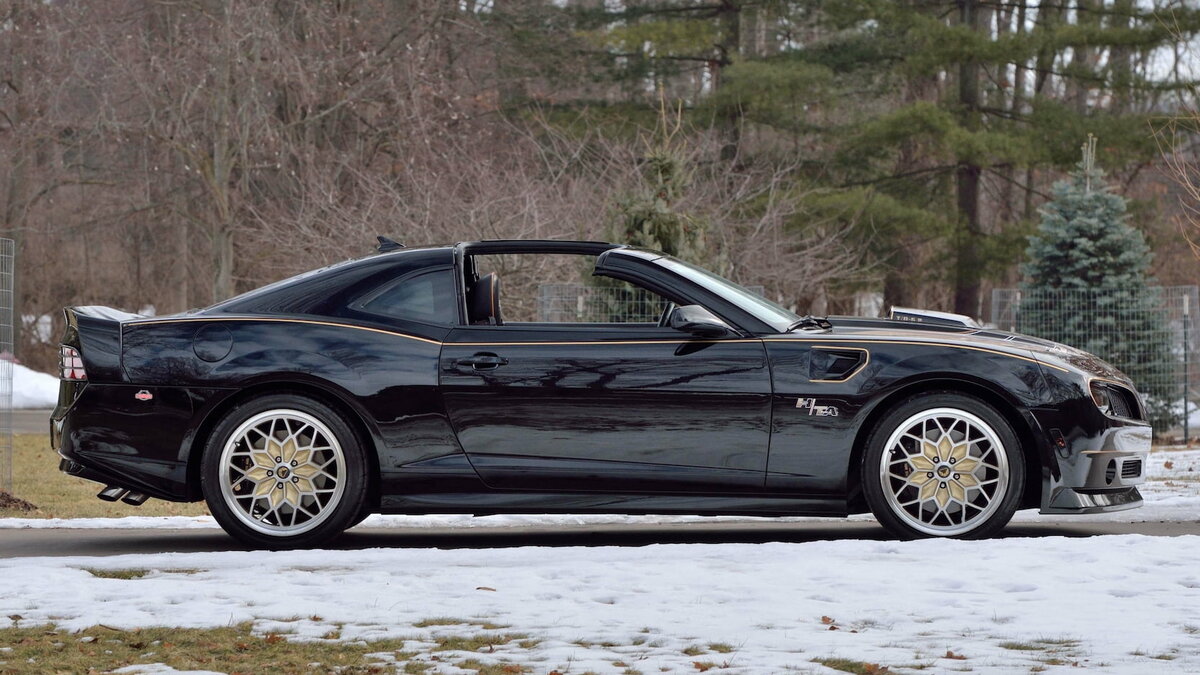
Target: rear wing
94	332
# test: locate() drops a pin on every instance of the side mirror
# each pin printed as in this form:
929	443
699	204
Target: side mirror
700	322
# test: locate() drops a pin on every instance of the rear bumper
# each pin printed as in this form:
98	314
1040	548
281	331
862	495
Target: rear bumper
104	433
1100	473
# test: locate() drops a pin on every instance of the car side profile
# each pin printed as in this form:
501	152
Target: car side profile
395	383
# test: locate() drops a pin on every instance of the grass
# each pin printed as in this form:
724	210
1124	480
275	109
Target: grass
721	647
117	574
475	643
233	649
44	649
36	479
1022	646
852	666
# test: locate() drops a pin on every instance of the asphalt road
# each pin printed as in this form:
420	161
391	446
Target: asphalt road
31	421
61	542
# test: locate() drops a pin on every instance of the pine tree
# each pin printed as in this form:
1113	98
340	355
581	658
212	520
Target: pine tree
648	217
1087	286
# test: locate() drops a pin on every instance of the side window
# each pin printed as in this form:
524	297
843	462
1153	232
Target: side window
560	288
429	297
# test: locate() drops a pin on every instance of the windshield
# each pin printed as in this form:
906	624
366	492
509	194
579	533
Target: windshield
763	309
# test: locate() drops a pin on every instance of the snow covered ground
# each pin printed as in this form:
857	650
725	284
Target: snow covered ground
1114	604
31	389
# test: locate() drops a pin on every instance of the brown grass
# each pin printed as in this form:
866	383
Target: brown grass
232	649
44	649
37	480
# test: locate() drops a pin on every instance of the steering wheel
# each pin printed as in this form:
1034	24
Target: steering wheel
664	321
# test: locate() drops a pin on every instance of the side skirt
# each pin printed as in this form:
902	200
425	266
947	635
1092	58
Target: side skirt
488	503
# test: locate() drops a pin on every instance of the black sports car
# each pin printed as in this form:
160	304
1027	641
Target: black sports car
393	384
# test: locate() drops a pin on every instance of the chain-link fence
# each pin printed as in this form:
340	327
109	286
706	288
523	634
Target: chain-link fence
582	303
7	253
1149	334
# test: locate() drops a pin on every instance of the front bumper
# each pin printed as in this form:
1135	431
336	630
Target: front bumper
1100	473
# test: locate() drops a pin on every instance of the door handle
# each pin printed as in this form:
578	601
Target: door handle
483	362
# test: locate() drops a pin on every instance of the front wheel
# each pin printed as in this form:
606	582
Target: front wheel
284	471
943	465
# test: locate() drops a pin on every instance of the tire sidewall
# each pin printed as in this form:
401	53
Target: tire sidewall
353	497
874	490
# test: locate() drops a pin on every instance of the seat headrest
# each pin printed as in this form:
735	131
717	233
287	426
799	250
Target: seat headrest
485	301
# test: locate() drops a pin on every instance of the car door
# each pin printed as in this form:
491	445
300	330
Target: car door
613	407
601	404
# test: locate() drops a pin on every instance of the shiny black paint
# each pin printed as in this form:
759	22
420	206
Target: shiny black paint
483	419
609	409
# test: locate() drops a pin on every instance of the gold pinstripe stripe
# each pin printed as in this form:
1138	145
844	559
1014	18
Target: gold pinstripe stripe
581	343
592	343
934	344
270	320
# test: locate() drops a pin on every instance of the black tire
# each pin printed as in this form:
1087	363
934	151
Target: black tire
919	493
294	489
362	515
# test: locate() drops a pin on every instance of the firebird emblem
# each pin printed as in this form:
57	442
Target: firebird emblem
143	395
810	404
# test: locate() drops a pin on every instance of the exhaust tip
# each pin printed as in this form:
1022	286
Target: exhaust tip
135	498
111	493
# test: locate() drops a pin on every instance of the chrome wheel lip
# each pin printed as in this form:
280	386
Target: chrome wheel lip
1001	462
226	484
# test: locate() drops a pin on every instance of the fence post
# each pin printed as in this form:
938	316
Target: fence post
1187	356
8	319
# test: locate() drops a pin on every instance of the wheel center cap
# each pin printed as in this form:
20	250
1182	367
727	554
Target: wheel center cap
283	472
943	471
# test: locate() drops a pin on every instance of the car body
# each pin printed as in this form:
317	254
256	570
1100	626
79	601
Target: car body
727	405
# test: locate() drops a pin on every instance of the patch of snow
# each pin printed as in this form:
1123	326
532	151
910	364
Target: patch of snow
1116	603
126	523
161	669
40	327
31	389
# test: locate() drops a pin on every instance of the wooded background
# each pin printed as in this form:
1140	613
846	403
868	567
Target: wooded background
170	153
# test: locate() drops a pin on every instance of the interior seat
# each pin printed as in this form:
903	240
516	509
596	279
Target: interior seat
484	301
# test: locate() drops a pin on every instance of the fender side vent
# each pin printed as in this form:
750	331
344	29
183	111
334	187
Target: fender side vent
836	364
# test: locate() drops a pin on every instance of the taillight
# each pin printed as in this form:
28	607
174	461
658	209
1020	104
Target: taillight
70	365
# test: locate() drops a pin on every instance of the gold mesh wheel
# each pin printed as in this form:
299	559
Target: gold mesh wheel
944	472
282	472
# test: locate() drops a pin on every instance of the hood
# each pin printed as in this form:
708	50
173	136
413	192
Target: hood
1044	351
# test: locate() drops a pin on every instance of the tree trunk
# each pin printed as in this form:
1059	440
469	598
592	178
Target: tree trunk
967	277
16	201
731	116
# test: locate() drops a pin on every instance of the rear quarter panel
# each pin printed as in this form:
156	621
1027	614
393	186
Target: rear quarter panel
387	377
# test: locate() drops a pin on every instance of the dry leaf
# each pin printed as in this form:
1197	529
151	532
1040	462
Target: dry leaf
827	620
272	638
702	666
485	588
834	628
956	657
1168	464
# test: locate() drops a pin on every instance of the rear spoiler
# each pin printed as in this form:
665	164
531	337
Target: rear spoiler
96	333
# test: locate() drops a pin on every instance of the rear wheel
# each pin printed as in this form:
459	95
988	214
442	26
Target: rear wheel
284	471
943	465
